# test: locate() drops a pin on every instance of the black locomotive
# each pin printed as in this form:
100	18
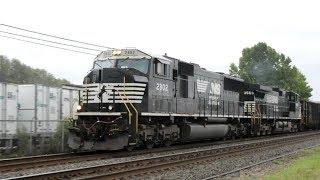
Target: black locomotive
131	98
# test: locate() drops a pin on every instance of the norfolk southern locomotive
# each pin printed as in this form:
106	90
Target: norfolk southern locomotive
131	99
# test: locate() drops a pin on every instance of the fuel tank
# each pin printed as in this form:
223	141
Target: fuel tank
209	131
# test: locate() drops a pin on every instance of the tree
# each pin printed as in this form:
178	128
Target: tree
264	65
62	130
233	69
13	71
4	68
23	141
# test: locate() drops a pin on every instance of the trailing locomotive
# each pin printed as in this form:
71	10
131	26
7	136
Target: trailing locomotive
132	98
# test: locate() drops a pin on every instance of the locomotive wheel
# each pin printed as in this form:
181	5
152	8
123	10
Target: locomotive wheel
167	143
74	151
235	135
129	148
149	145
258	133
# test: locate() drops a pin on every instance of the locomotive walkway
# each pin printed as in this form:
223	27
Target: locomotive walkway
143	167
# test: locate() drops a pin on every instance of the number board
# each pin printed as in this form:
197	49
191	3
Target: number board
122	54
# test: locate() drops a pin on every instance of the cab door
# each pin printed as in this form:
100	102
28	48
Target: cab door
162	87
185	89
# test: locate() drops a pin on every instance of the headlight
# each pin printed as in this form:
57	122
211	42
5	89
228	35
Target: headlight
110	107
79	107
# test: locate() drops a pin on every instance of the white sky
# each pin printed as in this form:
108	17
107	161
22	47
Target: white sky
210	33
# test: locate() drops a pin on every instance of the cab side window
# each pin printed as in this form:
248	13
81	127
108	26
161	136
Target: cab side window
160	68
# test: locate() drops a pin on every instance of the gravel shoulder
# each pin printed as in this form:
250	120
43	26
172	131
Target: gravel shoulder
302	165
203	171
258	172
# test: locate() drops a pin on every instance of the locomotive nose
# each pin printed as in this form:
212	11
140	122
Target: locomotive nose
108	89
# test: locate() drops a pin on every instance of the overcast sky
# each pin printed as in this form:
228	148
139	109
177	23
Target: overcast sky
209	33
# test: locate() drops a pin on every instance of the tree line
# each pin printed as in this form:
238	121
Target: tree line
13	71
264	65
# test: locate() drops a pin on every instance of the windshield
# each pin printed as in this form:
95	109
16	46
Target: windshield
140	65
104	64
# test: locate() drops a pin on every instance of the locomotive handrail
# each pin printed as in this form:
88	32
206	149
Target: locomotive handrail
236	108
134	108
128	109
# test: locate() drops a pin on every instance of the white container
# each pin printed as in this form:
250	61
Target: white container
42	107
40	104
70	100
8	109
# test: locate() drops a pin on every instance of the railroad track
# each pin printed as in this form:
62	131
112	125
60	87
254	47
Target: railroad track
147	166
32	162
18	164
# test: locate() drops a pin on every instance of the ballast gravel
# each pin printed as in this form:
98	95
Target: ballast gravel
204	171
191	171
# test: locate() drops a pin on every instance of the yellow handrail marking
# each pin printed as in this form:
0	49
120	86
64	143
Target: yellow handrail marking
128	109
136	111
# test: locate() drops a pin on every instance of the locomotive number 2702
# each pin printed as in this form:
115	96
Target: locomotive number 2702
162	87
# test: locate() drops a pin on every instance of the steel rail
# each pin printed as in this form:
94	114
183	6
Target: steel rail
18	164
134	168
31	162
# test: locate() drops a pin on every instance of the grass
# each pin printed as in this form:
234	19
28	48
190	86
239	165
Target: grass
306	167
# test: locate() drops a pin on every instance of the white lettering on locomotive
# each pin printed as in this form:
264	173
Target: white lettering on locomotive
162	87
214	93
202	85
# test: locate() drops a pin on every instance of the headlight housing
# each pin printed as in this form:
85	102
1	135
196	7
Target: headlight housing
79	107
110	107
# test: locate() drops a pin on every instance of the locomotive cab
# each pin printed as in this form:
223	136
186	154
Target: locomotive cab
294	105
113	94
111	77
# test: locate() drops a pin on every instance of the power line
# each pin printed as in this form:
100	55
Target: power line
46	45
53	36
50	41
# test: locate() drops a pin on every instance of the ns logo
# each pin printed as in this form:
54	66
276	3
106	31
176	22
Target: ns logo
213	91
